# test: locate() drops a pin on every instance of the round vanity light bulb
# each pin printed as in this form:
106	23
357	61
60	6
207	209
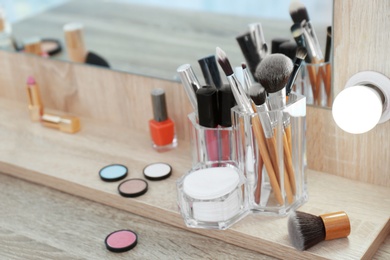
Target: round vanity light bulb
357	109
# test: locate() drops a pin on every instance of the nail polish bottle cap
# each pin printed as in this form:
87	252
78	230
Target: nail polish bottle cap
159	105
207	106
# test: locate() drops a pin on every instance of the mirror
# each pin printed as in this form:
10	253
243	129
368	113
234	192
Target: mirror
154	38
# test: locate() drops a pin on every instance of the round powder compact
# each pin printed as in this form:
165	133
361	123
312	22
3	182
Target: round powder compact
113	172
157	171
121	241
133	188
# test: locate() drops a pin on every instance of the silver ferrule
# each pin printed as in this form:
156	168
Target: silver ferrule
239	94
190	83
257	36
312	44
277	101
247	80
265	120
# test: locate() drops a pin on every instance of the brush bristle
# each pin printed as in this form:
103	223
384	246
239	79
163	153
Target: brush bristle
224	62
305	230
257	94
298	12
296	30
301	53
273	72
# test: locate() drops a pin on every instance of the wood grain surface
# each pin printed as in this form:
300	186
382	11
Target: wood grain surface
70	163
41	223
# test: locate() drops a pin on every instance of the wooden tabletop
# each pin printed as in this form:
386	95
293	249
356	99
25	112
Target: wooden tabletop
41	223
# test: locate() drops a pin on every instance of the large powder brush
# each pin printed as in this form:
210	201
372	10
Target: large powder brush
274	71
306	230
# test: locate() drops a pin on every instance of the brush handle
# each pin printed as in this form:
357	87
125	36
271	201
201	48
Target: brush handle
260	139
311	70
273	153
259	179
328	83
336	225
287	129
287	187
288	163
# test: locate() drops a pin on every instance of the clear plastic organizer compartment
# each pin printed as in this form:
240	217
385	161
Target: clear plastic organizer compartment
271	152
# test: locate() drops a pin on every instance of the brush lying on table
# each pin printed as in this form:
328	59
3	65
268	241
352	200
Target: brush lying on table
306	230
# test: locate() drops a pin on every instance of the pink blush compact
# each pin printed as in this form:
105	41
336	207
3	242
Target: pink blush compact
121	241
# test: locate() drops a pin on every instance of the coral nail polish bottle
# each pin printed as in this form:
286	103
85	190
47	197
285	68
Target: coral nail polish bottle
162	129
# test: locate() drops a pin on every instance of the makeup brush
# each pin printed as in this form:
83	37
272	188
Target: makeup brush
258	39
245	105
299	14
190	83
248	49
247	77
306	230
273	74
300	56
258	96
328	69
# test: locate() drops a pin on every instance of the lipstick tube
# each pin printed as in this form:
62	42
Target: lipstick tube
35	105
162	128
67	124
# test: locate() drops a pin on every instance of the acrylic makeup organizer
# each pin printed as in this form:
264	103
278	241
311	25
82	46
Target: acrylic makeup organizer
278	185
273	187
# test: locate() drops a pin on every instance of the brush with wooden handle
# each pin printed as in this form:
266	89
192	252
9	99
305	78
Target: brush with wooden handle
245	105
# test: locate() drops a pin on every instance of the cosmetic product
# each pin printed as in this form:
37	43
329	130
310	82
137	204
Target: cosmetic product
33	46
207	99
328	67
35	105
121	241
210	71
212	197
299	14
190	83
273	74
74	41
306	230
245	106
94	59
258	39
249	51
162	129
247	77
51	46
275	43
300	56
64	123
289	49
113	172
257	94
132	188
157	171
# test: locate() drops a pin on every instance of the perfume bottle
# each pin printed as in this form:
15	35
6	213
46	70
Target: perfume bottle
162	128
